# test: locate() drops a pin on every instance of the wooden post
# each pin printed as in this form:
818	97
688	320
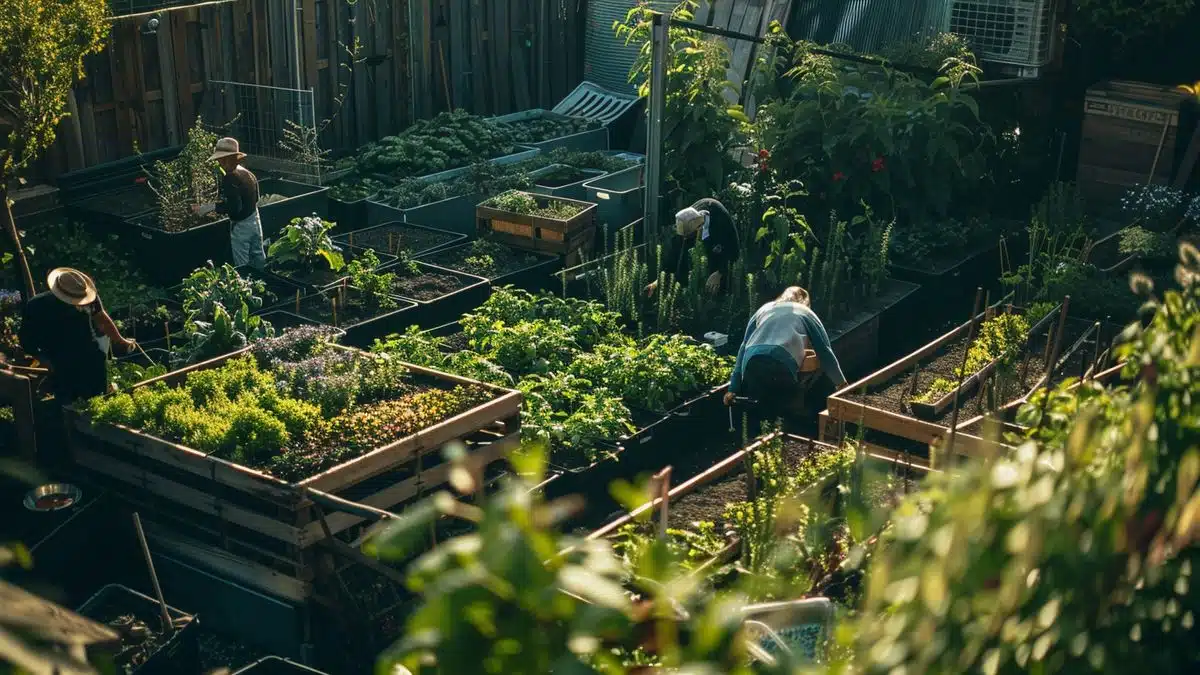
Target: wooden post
962	367
663	480
1062	319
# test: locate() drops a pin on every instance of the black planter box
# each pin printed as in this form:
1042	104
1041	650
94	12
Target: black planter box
451	306
349	216
363	332
428	239
150	332
536	276
282	319
300	200
168	257
280	290
179	655
273	665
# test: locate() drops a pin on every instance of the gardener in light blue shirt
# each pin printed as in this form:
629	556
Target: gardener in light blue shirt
773	360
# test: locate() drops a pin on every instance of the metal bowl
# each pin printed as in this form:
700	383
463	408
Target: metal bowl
52	497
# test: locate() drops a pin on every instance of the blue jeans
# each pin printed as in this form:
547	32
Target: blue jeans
247	239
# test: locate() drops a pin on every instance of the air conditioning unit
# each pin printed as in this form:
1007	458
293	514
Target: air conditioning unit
1016	34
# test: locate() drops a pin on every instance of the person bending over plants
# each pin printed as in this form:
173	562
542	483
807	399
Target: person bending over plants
785	346
68	329
708	222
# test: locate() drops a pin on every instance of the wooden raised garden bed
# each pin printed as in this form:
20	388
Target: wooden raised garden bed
504	265
271	526
882	404
344	307
704	495
391	238
572	236
321	276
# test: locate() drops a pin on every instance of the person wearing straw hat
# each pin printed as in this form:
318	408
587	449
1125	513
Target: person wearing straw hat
67	329
709	223
785	347
239	201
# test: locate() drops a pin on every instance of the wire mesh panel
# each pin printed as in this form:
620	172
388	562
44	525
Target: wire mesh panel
123	8
1017	32
275	126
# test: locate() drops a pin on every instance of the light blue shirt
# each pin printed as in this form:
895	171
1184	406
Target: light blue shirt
782	331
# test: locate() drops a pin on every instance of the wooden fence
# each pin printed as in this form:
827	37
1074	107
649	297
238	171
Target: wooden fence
415	58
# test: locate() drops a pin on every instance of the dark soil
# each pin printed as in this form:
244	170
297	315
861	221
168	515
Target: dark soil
506	261
277	290
398	237
124	612
882	490
562	177
456	342
427	286
354	310
220	651
125	203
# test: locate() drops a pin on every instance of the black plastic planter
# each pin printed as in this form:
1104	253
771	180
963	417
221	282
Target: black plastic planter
145	328
177	655
399	236
565	181
282	320
535	275
348	215
279	291
361	332
274	665
431	311
299	200
168	257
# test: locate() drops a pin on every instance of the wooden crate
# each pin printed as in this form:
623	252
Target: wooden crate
573	238
1128	139
902	432
270	524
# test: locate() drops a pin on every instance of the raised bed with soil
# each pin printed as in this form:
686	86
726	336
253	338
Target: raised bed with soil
146	325
391	238
502	265
257	505
361	318
892	414
441	294
146	645
321	276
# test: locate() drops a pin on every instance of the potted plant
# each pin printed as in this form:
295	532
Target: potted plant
536	222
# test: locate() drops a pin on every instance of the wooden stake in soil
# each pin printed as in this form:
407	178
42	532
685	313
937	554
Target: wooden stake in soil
663	478
1062	320
962	367
168	626
912	383
350	239
391	243
297	300
333	300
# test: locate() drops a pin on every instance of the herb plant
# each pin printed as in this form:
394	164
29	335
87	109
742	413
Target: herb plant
376	287
188	180
530	205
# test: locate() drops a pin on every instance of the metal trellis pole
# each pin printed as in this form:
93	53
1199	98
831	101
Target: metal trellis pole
656	105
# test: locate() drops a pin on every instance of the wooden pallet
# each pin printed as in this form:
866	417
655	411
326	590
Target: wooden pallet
573	238
272	523
905	431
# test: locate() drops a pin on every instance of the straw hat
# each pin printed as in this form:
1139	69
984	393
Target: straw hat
227	147
72	286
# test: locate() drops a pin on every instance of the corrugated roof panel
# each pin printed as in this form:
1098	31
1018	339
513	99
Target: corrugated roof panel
867	25
607	59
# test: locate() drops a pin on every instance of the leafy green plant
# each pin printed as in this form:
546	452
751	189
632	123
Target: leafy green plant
696	149
125	374
305	242
187	180
225	332
446	141
1139	241
571	415
656	373
527	204
354	188
209	286
1123	23
376	287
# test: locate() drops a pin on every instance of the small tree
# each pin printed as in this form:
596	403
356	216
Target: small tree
42	47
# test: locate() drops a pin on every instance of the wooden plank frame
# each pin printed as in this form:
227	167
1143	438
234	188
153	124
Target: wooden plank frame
845	410
16	390
569	237
265	506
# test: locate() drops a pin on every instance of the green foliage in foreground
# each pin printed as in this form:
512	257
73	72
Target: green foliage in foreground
1073	552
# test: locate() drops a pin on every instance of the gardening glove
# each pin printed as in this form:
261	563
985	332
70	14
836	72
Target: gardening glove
714	282
650	288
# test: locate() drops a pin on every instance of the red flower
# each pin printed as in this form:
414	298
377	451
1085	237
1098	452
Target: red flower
764	153
877	164
838	176
139	180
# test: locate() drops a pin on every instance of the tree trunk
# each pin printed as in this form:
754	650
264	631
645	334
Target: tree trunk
10	226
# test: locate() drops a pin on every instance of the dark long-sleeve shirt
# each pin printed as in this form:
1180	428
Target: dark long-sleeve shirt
65	336
719	236
782	331
239	195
